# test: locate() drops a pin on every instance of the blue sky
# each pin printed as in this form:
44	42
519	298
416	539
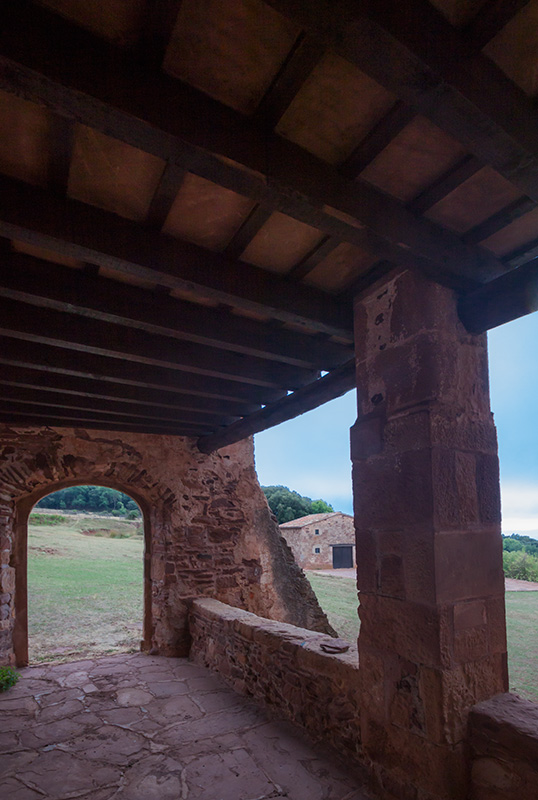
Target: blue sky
311	453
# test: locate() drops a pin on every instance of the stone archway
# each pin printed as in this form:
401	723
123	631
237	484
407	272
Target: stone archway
22	512
209	530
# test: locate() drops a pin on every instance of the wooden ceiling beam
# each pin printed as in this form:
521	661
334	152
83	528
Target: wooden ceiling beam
165	194
73	332
451	83
509	297
333	385
22	353
522	255
62	136
50	61
13	415
89	234
248	230
90	388
454	177
382	134
490	19
56	400
313	258
52	286
499	220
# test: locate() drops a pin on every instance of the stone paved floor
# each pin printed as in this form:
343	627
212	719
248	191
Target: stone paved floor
137	727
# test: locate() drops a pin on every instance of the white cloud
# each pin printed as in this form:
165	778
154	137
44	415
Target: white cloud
520	507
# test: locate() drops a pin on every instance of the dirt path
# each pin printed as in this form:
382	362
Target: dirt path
511	584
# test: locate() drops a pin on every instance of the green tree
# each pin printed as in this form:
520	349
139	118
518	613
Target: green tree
287	504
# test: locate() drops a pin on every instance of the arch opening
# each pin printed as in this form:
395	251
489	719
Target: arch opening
82	584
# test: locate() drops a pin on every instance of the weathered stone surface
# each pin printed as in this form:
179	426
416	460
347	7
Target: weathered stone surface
234	753
209	530
427	514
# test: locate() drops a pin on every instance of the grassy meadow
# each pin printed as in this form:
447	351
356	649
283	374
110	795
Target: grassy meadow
338	598
85	587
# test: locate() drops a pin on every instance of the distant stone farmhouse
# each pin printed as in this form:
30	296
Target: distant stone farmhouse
321	541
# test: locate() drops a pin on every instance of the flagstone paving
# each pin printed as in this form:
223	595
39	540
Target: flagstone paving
138	727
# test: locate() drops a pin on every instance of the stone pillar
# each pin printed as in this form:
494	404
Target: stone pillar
429	549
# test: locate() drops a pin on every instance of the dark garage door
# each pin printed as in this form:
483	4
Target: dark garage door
342	556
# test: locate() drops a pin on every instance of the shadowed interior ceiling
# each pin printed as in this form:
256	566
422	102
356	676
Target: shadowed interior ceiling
192	192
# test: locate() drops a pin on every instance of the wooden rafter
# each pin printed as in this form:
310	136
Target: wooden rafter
99	237
333	385
49	285
136	109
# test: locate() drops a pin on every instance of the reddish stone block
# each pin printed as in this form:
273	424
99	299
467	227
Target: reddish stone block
367	437
468	564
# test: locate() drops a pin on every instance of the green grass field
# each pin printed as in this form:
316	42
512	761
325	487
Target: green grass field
85	596
338	598
85	591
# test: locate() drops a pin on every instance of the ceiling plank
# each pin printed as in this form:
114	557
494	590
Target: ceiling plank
73	332
90	234
56	400
49	285
48	358
39	417
313	258
248	230
47	60
62	138
164	196
507	298
89	388
453	85
333	385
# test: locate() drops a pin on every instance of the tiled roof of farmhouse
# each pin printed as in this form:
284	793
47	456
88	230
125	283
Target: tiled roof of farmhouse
300	522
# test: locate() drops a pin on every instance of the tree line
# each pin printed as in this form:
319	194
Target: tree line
520	557
98	499
287	505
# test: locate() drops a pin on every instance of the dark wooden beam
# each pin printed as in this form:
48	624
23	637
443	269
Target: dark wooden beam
490	19
499	220
399	116
62	131
378	272
73	332
434	68
248	230
12	415
313	258
302	59
21	353
91	388
159	20
520	256
56	400
47	60
333	385
63	289
99	237
164	196
509	297
453	178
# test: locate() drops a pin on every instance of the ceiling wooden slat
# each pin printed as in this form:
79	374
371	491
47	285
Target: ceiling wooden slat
89	388
49	358
491	19
299	184
333	385
99	237
467	167
499	220
73	332
52	286
164	196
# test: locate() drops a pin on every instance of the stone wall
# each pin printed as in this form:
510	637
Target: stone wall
333	529
284	667
504	746
208	528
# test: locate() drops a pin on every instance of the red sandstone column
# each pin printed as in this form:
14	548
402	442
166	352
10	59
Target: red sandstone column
429	550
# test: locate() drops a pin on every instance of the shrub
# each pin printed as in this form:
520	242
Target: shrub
46	519
520	565
8	678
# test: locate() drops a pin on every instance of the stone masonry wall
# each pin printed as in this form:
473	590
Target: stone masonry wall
337	529
284	667
209	530
503	735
